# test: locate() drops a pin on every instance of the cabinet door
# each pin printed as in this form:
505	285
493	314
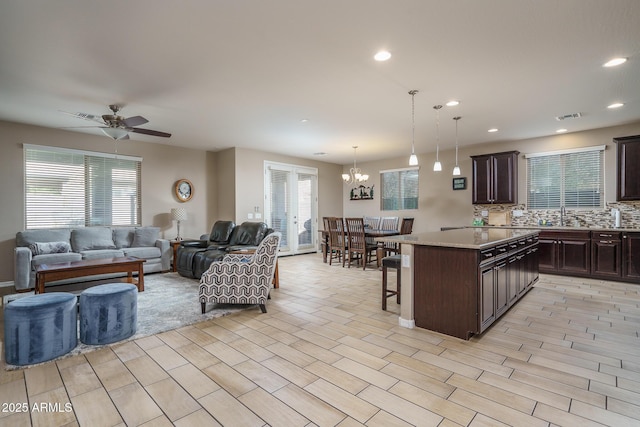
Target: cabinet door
487	297
631	256
504	173
481	179
606	258
574	256
547	255
628	178
502	287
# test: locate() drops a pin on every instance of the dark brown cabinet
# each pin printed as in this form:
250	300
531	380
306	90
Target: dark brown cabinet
495	178
628	174
631	256
565	252
606	254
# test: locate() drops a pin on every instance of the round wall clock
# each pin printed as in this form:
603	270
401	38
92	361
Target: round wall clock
184	190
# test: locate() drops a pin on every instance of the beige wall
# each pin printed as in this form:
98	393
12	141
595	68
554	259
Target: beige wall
162	166
249	167
441	206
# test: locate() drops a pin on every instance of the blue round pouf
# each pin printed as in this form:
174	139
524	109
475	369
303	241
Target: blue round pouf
108	313
40	327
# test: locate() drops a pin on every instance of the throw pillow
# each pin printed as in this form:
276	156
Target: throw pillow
123	237
145	236
43	248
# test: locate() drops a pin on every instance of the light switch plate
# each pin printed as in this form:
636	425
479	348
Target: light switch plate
249	215
258	215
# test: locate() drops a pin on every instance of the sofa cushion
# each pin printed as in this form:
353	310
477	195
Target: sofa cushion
145	236
143	252
55	258
28	237
123	237
102	253
248	233
43	248
89	238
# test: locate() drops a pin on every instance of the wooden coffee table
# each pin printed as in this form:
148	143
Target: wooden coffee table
68	270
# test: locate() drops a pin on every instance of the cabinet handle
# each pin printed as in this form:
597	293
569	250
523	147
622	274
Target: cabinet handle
606	235
606	241
624	237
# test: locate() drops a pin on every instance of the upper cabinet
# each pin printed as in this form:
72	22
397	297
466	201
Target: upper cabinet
628	170
495	178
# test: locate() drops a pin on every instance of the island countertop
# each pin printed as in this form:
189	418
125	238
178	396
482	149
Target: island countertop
468	238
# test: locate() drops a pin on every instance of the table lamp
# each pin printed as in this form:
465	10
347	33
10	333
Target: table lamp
179	214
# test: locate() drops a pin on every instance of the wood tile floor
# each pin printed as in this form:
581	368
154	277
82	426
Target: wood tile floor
326	355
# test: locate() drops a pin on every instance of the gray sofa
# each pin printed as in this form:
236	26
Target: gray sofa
46	246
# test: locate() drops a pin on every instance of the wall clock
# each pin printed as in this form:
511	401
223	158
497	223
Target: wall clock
184	190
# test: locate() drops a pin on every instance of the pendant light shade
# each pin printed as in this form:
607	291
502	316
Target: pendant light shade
413	159
437	166
456	169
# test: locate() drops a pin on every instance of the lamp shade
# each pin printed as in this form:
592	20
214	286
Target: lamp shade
179	214
115	133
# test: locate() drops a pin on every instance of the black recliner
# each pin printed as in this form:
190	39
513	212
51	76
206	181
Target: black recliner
218	239
195	257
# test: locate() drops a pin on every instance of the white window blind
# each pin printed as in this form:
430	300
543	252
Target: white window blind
399	189
71	188
573	179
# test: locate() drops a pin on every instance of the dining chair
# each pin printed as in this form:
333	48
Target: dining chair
406	227
337	241
357	242
372	222
389	223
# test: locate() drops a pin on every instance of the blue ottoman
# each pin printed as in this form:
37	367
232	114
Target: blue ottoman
108	313
40	327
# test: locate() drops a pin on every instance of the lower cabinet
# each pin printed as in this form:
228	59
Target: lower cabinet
605	254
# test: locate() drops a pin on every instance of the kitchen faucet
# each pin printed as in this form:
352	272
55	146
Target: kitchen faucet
563	213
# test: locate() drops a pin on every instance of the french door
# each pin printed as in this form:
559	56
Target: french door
291	206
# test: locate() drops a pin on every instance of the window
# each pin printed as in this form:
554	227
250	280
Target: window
569	178
399	189
72	188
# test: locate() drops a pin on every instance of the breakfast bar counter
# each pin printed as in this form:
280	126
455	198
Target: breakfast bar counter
458	282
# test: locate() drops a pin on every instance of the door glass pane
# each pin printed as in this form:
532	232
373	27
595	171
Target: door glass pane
279	195
305	208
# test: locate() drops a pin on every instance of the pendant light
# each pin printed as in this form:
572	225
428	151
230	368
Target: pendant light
456	170
437	166
413	159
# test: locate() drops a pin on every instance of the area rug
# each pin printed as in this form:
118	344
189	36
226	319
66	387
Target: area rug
169	301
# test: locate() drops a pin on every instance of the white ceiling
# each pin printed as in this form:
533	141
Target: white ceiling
244	73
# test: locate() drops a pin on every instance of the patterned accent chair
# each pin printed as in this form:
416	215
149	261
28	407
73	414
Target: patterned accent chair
242	278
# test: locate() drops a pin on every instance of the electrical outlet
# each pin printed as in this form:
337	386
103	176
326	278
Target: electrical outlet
258	215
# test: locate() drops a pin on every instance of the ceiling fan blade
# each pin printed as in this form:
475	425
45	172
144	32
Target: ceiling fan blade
151	132
85	116
134	121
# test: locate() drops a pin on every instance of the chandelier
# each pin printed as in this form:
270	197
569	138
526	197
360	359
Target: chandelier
355	175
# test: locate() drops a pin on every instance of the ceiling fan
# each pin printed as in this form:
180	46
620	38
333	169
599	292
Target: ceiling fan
117	127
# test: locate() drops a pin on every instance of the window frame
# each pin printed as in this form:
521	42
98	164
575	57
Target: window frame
563	159
400	199
117	185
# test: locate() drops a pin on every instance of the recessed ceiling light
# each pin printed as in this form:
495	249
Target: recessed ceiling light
561	131
304	120
614	62
493	130
615	105
383	55
452	103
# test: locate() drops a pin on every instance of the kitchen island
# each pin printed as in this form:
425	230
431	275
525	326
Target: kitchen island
459	282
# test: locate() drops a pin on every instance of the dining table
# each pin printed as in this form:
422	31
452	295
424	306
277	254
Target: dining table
368	232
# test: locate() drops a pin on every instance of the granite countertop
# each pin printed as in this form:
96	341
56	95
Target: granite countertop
557	227
468	238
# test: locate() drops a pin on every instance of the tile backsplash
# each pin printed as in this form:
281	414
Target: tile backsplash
629	213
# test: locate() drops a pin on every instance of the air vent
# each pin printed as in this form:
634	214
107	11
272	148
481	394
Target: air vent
569	116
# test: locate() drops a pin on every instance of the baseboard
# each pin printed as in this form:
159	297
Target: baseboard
407	323
5	284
